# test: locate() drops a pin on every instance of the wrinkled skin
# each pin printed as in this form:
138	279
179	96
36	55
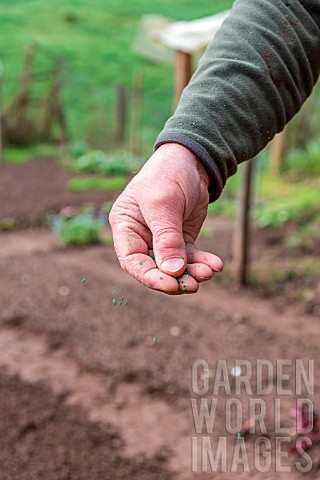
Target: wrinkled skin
160	213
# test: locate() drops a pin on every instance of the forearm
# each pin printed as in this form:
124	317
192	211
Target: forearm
254	76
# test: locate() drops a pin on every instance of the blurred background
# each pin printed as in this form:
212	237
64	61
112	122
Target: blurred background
94	369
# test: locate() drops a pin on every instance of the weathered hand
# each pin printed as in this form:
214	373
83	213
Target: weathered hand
160	213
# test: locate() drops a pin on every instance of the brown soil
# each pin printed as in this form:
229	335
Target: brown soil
84	389
31	190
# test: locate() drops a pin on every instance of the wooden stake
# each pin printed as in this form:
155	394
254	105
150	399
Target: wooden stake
121	115
241	239
183	73
277	152
137	101
1	139
26	81
54	110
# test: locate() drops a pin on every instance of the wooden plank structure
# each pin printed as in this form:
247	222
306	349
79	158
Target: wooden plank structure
188	39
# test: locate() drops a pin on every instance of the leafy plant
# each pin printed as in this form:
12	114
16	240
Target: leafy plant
304	161
117	163
80	229
77	148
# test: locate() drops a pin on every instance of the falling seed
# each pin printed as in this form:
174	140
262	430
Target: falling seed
83	280
239	435
169	386
184	287
122	298
113	292
161	277
114	301
154	339
140	263
126	302
187	413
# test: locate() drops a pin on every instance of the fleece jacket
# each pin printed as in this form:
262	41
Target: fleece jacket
253	78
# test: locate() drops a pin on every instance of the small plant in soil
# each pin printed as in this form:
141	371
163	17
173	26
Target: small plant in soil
8	224
116	163
79	229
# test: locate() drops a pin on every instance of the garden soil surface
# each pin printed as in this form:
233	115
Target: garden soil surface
88	392
31	190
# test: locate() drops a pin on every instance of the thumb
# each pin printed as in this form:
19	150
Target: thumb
164	218
169	249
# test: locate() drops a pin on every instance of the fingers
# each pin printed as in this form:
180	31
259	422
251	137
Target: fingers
186	283
200	272
154	216
131	240
210	260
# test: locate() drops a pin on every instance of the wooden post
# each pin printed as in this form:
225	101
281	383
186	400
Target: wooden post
183	73
54	110
1	139
241	239
277	152
26	80
137	100
121	115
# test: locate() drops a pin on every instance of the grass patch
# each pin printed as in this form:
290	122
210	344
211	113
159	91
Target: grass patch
95	38
297	202
304	162
80	184
18	155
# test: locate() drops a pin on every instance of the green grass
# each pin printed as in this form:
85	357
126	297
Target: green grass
80	184
21	155
304	161
282	200
95	38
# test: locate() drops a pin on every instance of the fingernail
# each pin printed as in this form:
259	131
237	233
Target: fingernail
217	270
172	264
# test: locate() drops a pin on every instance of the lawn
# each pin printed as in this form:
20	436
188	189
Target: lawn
95	39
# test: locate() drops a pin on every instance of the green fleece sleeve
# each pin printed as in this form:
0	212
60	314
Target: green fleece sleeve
254	76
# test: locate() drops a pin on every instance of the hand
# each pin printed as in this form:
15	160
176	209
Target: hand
160	213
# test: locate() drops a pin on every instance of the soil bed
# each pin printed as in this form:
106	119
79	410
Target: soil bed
85	391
